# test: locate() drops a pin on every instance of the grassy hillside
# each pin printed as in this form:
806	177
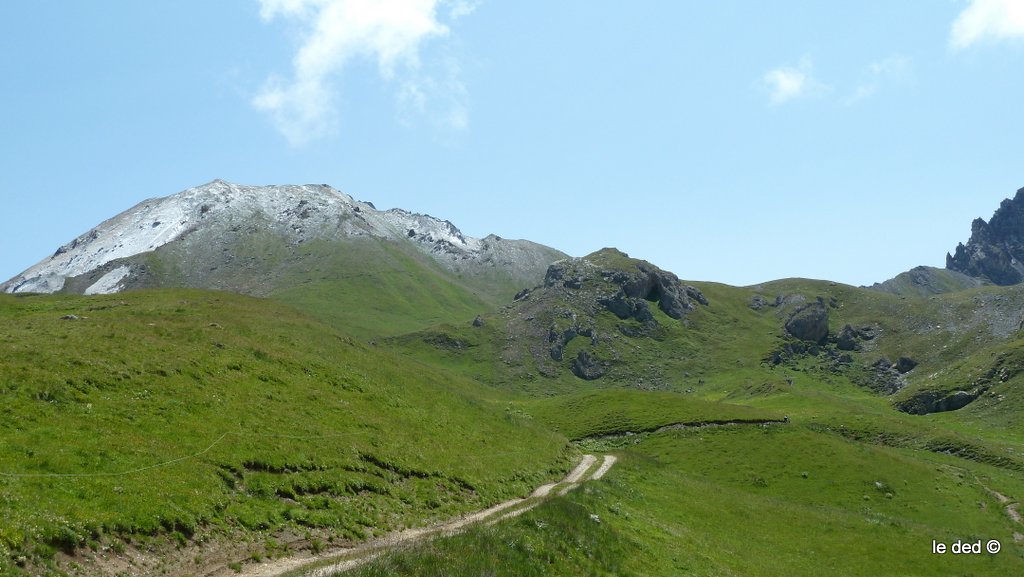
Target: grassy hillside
850	481
736	348
617	412
201	414
197	416
926	281
757	501
366	288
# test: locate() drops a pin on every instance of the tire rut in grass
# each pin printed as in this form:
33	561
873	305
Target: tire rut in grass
341	560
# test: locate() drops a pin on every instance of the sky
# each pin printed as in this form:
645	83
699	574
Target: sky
729	141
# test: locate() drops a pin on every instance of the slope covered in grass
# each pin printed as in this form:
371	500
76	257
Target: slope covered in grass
195	413
558	538
736	348
365	287
781	500
615	412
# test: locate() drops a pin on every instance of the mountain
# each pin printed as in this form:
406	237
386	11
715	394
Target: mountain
927	281
995	250
176	431
992	256
310	246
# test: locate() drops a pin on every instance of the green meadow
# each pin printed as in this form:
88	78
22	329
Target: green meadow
169	421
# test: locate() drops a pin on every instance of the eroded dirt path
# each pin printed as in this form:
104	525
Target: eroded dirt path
339	560
609	460
1009	506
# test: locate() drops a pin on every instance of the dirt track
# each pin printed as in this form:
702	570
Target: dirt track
345	559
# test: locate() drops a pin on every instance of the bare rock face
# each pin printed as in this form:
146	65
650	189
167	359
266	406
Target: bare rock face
636	287
904	365
587	367
885	378
655	285
995	251
626	307
847	339
809	323
850	338
938	401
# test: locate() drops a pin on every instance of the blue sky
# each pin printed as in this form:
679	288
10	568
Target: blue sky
729	141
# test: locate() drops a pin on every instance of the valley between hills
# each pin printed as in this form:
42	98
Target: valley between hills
243	380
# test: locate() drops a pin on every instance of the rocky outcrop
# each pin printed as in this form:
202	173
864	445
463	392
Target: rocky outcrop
995	251
927	402
627	308
559	339
587	367
636	287
608	298
849	338
1005	367
758	302
904	365
809	322
649	283
884	378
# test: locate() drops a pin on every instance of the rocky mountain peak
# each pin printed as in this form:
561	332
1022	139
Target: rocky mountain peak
995	251
205	226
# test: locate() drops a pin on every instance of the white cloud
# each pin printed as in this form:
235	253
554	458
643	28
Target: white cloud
437	94
987	19
880	73
460	8
336	32
788	83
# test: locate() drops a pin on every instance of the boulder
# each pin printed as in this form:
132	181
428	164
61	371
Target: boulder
847	339
867	332
696	295
809	323
587	367
905	364
626	307
955	401
674	303
758	302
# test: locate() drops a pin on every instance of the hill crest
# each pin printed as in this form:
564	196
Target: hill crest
297	214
